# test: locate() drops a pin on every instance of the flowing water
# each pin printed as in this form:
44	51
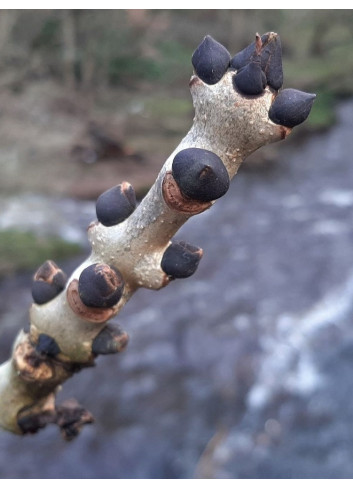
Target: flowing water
244	370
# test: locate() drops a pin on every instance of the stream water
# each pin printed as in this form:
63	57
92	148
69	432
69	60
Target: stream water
242	371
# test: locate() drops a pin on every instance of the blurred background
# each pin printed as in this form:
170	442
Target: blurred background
245	369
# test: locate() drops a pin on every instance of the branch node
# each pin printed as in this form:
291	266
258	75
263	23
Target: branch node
30	365
179	202
92	314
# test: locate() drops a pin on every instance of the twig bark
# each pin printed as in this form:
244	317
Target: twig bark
68	328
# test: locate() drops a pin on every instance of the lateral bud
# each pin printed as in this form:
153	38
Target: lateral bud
291	107
47	346
200	174
116	204
100	286
48	282
110	340
180	260
210	61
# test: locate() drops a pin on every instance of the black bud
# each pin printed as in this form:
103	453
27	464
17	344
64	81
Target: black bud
100	286
43	292
268	52
200	174
242	58
110	340
48	282
210	60
116	204
59	280
46	345
291	107
180	260
250	80
271	62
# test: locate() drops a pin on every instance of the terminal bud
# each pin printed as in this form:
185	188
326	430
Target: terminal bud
267	50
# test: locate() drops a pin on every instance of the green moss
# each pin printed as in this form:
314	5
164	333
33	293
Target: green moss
167	107
48	37
128	70
21	251
170	64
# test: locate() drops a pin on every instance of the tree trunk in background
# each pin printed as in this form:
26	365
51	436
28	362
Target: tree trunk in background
7	20
69	47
